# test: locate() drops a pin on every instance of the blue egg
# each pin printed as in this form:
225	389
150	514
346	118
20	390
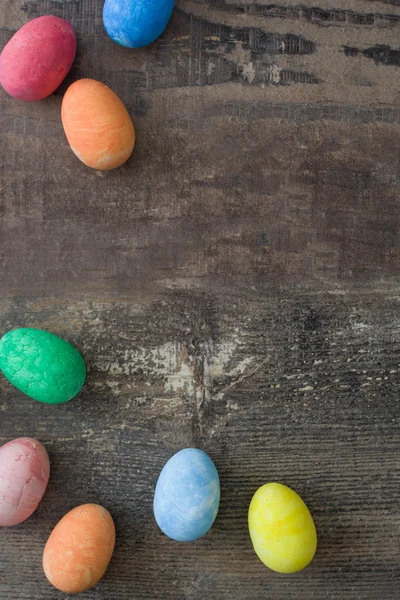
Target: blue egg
136	23
187	496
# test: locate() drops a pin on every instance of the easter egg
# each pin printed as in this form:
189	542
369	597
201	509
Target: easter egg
42	365
281	529
136	23
24	474
186	499
79	549
97	125
37	58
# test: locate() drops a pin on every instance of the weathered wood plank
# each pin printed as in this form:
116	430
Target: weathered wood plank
303	391
234	286
251	163
190	211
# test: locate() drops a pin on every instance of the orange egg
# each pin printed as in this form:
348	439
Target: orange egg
79	549
97	125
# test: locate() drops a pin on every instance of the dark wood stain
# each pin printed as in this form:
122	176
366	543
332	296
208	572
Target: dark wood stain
390	2
304	12
380	54
350	51
383	55
235	286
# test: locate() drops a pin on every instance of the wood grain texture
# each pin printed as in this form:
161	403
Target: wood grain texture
303	391
235	287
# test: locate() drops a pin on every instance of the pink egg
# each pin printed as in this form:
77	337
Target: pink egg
37	58
24	474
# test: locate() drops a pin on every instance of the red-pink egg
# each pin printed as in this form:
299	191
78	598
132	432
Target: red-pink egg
24	474
37	58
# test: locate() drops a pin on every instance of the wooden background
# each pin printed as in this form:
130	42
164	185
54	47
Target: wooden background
235	287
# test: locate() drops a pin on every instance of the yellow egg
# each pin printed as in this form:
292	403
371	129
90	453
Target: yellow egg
281	528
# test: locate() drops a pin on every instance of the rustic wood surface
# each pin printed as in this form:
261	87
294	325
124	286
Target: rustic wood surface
235	287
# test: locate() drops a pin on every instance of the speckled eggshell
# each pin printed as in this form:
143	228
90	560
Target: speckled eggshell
37	58
24	474
42	365
281	528
97	125
79	549
136	23
187	495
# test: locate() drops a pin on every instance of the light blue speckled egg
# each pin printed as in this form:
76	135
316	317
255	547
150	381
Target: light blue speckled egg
136	23
187	496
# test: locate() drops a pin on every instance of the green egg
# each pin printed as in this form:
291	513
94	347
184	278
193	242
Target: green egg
42	365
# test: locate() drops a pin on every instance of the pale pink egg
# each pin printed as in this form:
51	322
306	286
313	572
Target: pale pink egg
24	474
